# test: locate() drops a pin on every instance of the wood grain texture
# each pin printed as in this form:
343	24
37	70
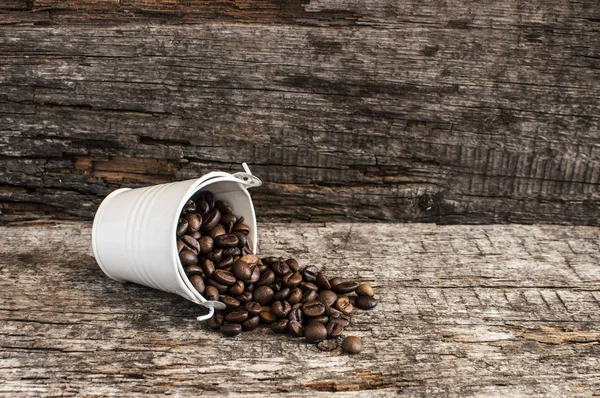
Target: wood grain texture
463	311
434	111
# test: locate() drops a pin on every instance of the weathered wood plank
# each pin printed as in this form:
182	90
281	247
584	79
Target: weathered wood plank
464	310
417	111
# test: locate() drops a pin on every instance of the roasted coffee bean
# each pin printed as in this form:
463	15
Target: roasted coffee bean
335	281
189	207
242	270
322	281
196	235
266	279
241	228
208	197
242	239
282	294
188	257
263	295
206	244
230	302
180	246
211	293
324	319
231	329
276	286
280	268
250	287
280	326
232	252
224	263
270	260
215	256
226	241
211	219
315	332
309	295
334	328
352	345
202	207
208	267
365	302
345	287
267	316
237	288
293	264
251	323
237	316
228	227
223	206
198	283
245	297
313	309
281	309
228	219
191	244
253	308
344	320
292	279
224	277
343	304
218	230
216	321
194	222
296	313
365	290
310	273
330	311
295	296
295	328
308	286
255	275
250	259
327	297
182	227
262	268
193	270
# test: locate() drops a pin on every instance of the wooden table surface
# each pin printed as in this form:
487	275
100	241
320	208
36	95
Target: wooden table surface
507	310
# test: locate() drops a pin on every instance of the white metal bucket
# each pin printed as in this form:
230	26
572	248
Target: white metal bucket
134	230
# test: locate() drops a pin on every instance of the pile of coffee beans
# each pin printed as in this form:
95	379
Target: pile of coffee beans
216	253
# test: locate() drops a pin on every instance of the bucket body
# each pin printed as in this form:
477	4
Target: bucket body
134	231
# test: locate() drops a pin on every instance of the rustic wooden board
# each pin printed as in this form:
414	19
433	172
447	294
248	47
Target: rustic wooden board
464	310
436	111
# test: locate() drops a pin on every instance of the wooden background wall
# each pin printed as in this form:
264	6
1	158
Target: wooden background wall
446	111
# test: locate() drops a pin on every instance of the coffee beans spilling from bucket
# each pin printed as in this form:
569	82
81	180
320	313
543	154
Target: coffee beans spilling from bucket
216	253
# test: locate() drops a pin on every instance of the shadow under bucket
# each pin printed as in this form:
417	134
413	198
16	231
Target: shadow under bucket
134	231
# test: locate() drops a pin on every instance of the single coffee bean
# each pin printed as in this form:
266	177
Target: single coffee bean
281	269
343	304
231	329
208	197
365	302
206	244
241	227
223	206
216	321
310	273
315	332
280	326
180	246
344	320
308	286
228	219
193	270
313	309
352	345
226	241
365	290
345	287
245	297
242	239
218	230
242	270
230	302
224	277
295	328
334	329
251	323
211	219
224	263
191	244
237	288
211	293
228	227
266	279
189	207
309	295
250	259
295	296
182	226
220	287
253	308
322	281
324	319
202	207
292	279
263	268
335	281
270	260
281	309
232	252
196	235
237	316
327	297
283	294
208	267
215	256
198	283
255	275
330	311
296	313
267	316
187	257
263	295
293	264
194	222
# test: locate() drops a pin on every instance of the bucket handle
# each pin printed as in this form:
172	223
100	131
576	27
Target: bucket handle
247	178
